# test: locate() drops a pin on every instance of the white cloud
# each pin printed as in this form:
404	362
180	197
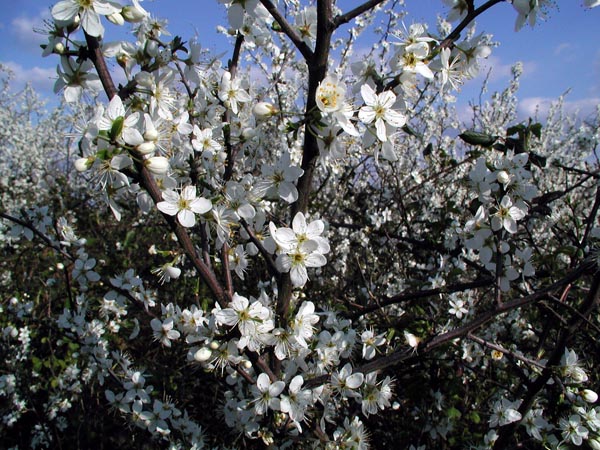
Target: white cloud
563	48
539	106
26	31
503	71
41	79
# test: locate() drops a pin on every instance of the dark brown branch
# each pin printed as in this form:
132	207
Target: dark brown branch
345	18
38	233
471	15
589	304
408	296
406	355
261	248
302	47
147	182
97	58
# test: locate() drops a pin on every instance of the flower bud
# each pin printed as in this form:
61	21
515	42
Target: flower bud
151	135
589	396
247	364
214	345
172	271
248	133
263	110
145	148
594	443
83	164
70	26
134	13
578	375
151	48
122	60
59	48
503	177
203	354
158	165
116	18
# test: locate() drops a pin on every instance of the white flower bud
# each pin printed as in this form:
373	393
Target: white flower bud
60	266
203	354
131	14
578	375
247	364
151	48
263	109
173	272
214	345
589	396
146	148
503	177
158	165
83	164
248	133
59	48
594	443
116	18
122	60
134	13
151	135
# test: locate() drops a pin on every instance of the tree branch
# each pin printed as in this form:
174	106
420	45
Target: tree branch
147	181
302	47
345	18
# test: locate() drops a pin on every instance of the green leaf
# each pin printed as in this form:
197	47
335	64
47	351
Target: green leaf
36	363
536	130
515	129
475	417
476	138
537	160
117	128
276	27
427	151
454	413
411	131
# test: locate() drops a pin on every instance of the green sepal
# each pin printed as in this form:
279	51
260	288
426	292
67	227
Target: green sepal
117	128
476	138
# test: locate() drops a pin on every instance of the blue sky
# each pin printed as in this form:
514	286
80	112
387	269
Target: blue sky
559	54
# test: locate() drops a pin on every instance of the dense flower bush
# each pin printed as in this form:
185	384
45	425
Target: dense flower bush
303	248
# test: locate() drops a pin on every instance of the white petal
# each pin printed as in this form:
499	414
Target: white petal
381	130
315	260
65	10
298	275
90	21
200	205
115	108
189	192
299	223
355	380
394	118
263	382
368	94
186	218
167	208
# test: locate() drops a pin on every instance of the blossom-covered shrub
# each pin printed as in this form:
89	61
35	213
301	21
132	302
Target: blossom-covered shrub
300	249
